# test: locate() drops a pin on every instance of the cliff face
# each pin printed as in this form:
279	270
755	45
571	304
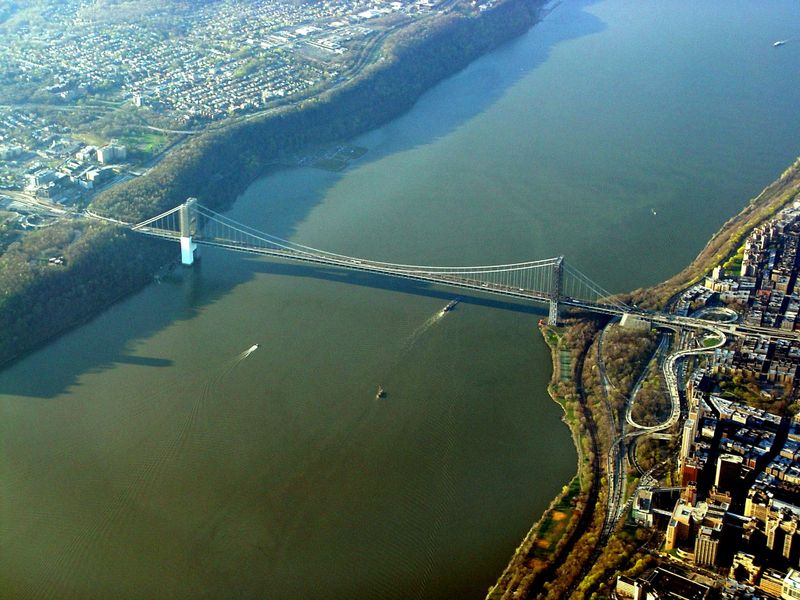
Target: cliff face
219	164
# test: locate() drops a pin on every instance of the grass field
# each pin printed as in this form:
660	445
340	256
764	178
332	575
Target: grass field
145	142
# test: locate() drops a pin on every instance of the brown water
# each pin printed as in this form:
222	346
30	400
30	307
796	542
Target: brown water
144	456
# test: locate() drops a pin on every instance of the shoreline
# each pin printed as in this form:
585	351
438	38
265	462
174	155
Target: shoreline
219	164
730	227
573	509
726	240
521	572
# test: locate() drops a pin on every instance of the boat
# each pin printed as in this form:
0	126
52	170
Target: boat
779	43
253	348
450	305
381	393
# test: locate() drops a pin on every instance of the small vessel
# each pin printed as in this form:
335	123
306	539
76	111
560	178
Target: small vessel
779	43
252	348
381	393
450	305
654	211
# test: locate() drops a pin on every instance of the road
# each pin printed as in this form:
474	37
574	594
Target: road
662	347
41	205
616	458
618	451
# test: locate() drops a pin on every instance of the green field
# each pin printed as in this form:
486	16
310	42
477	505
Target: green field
145	142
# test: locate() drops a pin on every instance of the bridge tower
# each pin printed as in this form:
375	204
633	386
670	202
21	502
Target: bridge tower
188	223
556	283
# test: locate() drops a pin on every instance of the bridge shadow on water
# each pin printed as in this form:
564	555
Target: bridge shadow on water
111	339
393	284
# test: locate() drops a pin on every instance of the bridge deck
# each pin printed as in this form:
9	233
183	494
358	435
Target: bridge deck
367	266
452	279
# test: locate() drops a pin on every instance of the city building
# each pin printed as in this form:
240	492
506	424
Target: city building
111	153
772	582
791	586
729	467
706	545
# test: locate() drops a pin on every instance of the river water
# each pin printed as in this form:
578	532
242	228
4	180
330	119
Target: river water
145	455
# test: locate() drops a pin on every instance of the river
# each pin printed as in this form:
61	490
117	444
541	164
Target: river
146	455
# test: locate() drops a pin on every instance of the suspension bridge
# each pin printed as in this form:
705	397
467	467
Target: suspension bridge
551	281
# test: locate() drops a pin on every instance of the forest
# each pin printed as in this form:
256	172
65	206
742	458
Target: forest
40	299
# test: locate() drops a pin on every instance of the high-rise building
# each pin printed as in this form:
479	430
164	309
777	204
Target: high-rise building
690	471
772	582
706	545
744	568
782	535
757	504
689	431
111	153
729	466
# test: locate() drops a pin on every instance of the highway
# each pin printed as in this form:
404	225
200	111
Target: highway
616	456
40	205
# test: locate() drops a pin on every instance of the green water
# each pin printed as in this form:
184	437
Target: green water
144	456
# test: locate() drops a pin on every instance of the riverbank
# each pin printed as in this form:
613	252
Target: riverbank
546	548
727	240
105	263
526	574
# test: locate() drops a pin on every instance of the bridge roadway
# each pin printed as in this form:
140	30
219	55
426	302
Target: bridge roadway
357	264
660	319
730	329
418	274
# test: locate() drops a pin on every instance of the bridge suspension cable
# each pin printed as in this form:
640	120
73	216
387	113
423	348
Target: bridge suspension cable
163	216
578	285
214	217
549	279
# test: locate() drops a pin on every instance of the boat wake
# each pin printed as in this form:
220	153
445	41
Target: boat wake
433	320
411	340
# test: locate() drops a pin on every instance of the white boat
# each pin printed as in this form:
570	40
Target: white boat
779	43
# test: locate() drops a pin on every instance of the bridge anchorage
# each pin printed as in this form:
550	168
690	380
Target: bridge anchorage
551	281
